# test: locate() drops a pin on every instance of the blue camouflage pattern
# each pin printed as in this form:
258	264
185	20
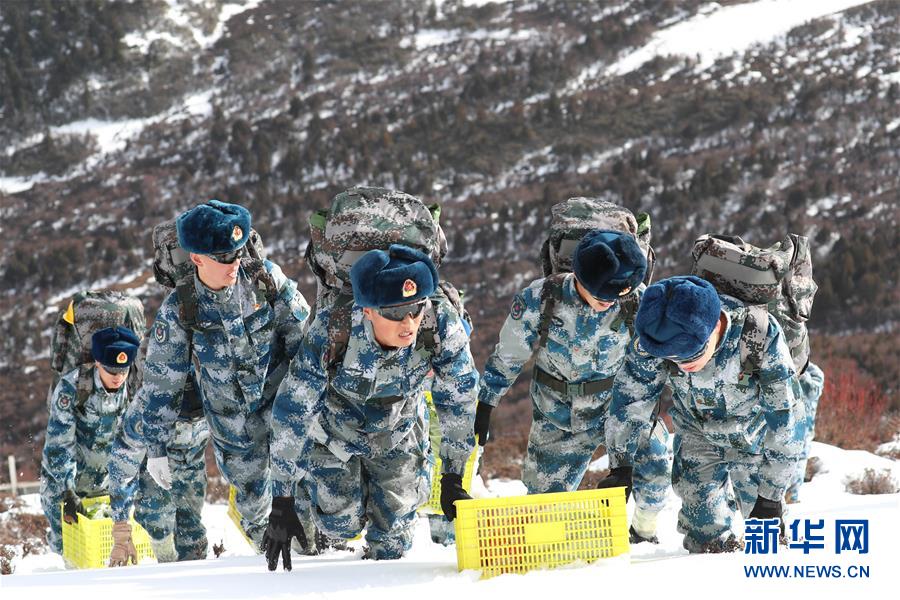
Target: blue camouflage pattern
241	347
812	383
746	430
582	345
77	446
165	514
363	459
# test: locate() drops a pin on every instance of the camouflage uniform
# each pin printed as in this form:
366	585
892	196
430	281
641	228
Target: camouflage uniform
812	382
360	444
583	345
77	446
167	515
750	432
238	350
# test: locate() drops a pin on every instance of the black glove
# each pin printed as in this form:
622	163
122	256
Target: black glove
451	491
618	477
71	507
768	509
483	422
283	526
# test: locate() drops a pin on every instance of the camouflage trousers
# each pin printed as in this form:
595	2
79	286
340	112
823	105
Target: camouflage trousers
812	405
712	483
379	493
557	461
177	512
241	445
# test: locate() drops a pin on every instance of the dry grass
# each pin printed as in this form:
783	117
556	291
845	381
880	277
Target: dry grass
872	482
21	534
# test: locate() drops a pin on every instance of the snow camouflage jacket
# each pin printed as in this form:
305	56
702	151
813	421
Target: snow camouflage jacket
581	346
763	415
238	349
187	445
79	439
375	397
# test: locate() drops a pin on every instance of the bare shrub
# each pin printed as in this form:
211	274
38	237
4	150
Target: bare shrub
872	482
852	409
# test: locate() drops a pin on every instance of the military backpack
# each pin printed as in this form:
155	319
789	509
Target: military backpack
776	280
570	221
368	218
70	346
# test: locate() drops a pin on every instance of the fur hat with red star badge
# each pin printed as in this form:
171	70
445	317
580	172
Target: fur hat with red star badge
399	276
115	348
213	228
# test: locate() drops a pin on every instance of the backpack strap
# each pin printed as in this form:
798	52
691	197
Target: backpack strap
84	387
339	324
753	341
551	293
628	307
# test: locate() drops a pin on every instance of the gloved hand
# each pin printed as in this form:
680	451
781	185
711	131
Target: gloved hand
483	422
618	477
159	470
768	509
451	491
71	507
283	526
123	548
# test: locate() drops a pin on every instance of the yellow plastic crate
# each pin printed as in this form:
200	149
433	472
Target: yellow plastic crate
523	533
87	543
433	506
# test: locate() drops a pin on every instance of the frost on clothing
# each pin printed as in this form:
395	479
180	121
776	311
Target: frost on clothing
364	428
163	513
718	418
237	350
583	345
77	446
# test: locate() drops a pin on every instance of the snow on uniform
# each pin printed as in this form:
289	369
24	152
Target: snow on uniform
360	445
566	429
812	382
163	513
238	348
77	446
751	433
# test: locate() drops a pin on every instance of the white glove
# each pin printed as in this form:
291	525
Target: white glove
159	470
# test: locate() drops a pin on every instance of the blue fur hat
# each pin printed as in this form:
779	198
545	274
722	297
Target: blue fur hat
213	228
115	348
609	264
398	276
676	317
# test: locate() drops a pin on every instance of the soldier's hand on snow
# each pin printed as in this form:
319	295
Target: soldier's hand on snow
123	548
483	422
451	491
768	509
283	526
618	477
159	470
71	507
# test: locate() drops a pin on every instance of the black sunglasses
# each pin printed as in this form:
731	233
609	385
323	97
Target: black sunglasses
398	313
226	258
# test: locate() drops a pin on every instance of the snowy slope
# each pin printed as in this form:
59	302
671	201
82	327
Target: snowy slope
429	571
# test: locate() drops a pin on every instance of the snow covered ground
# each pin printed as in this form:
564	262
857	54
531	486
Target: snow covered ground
429	571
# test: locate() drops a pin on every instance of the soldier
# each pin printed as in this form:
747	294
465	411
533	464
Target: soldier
172	518
354	427
748	429
586	338
240	338
81	428
812	382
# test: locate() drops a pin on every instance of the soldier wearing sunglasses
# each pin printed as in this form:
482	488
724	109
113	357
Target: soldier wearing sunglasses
354	427
237	346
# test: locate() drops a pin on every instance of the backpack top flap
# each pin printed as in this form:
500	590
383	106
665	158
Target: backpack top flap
363	219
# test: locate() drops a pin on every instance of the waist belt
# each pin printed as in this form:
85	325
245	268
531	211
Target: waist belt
582	388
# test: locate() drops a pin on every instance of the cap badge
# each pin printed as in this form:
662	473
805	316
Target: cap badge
237	233
122	358
409	288
625	292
